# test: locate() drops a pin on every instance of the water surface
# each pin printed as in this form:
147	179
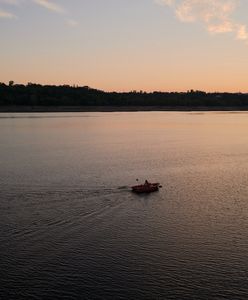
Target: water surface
71	229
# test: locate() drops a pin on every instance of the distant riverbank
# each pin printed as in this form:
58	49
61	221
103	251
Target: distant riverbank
65	98
26	109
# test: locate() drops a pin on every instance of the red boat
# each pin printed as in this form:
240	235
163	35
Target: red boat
147	187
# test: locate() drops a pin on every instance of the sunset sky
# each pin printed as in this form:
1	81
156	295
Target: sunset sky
122	45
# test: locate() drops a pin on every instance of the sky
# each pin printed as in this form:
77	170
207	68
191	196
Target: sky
123	45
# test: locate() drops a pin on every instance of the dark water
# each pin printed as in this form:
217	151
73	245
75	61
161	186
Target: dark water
71	229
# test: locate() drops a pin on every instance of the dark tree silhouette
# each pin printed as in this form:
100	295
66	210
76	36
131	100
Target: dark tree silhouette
50	95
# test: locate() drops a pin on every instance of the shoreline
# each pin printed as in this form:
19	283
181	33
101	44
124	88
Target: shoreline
48	109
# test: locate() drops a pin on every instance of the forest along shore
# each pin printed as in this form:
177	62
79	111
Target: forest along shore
27	109
49	98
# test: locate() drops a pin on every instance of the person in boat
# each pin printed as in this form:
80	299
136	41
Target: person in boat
147	183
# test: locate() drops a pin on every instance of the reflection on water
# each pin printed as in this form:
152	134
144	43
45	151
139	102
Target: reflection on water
70	227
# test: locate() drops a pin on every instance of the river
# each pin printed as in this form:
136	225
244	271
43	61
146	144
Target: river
70	228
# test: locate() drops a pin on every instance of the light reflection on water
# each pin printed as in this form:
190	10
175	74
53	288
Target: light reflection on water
70	227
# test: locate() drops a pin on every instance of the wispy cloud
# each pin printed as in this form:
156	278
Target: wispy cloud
71	23
11	2
50	6
6	15
216	15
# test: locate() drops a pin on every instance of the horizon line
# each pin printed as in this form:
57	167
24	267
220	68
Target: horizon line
138	91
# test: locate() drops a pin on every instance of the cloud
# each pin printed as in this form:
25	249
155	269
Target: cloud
242	33
11	2
71	22
50	6
57	9
167	2
6	15
216	15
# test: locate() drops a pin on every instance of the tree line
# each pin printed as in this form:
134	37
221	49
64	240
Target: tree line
64	95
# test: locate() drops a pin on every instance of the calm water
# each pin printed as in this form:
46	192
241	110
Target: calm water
71	229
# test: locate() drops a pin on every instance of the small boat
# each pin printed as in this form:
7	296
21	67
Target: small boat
147	187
